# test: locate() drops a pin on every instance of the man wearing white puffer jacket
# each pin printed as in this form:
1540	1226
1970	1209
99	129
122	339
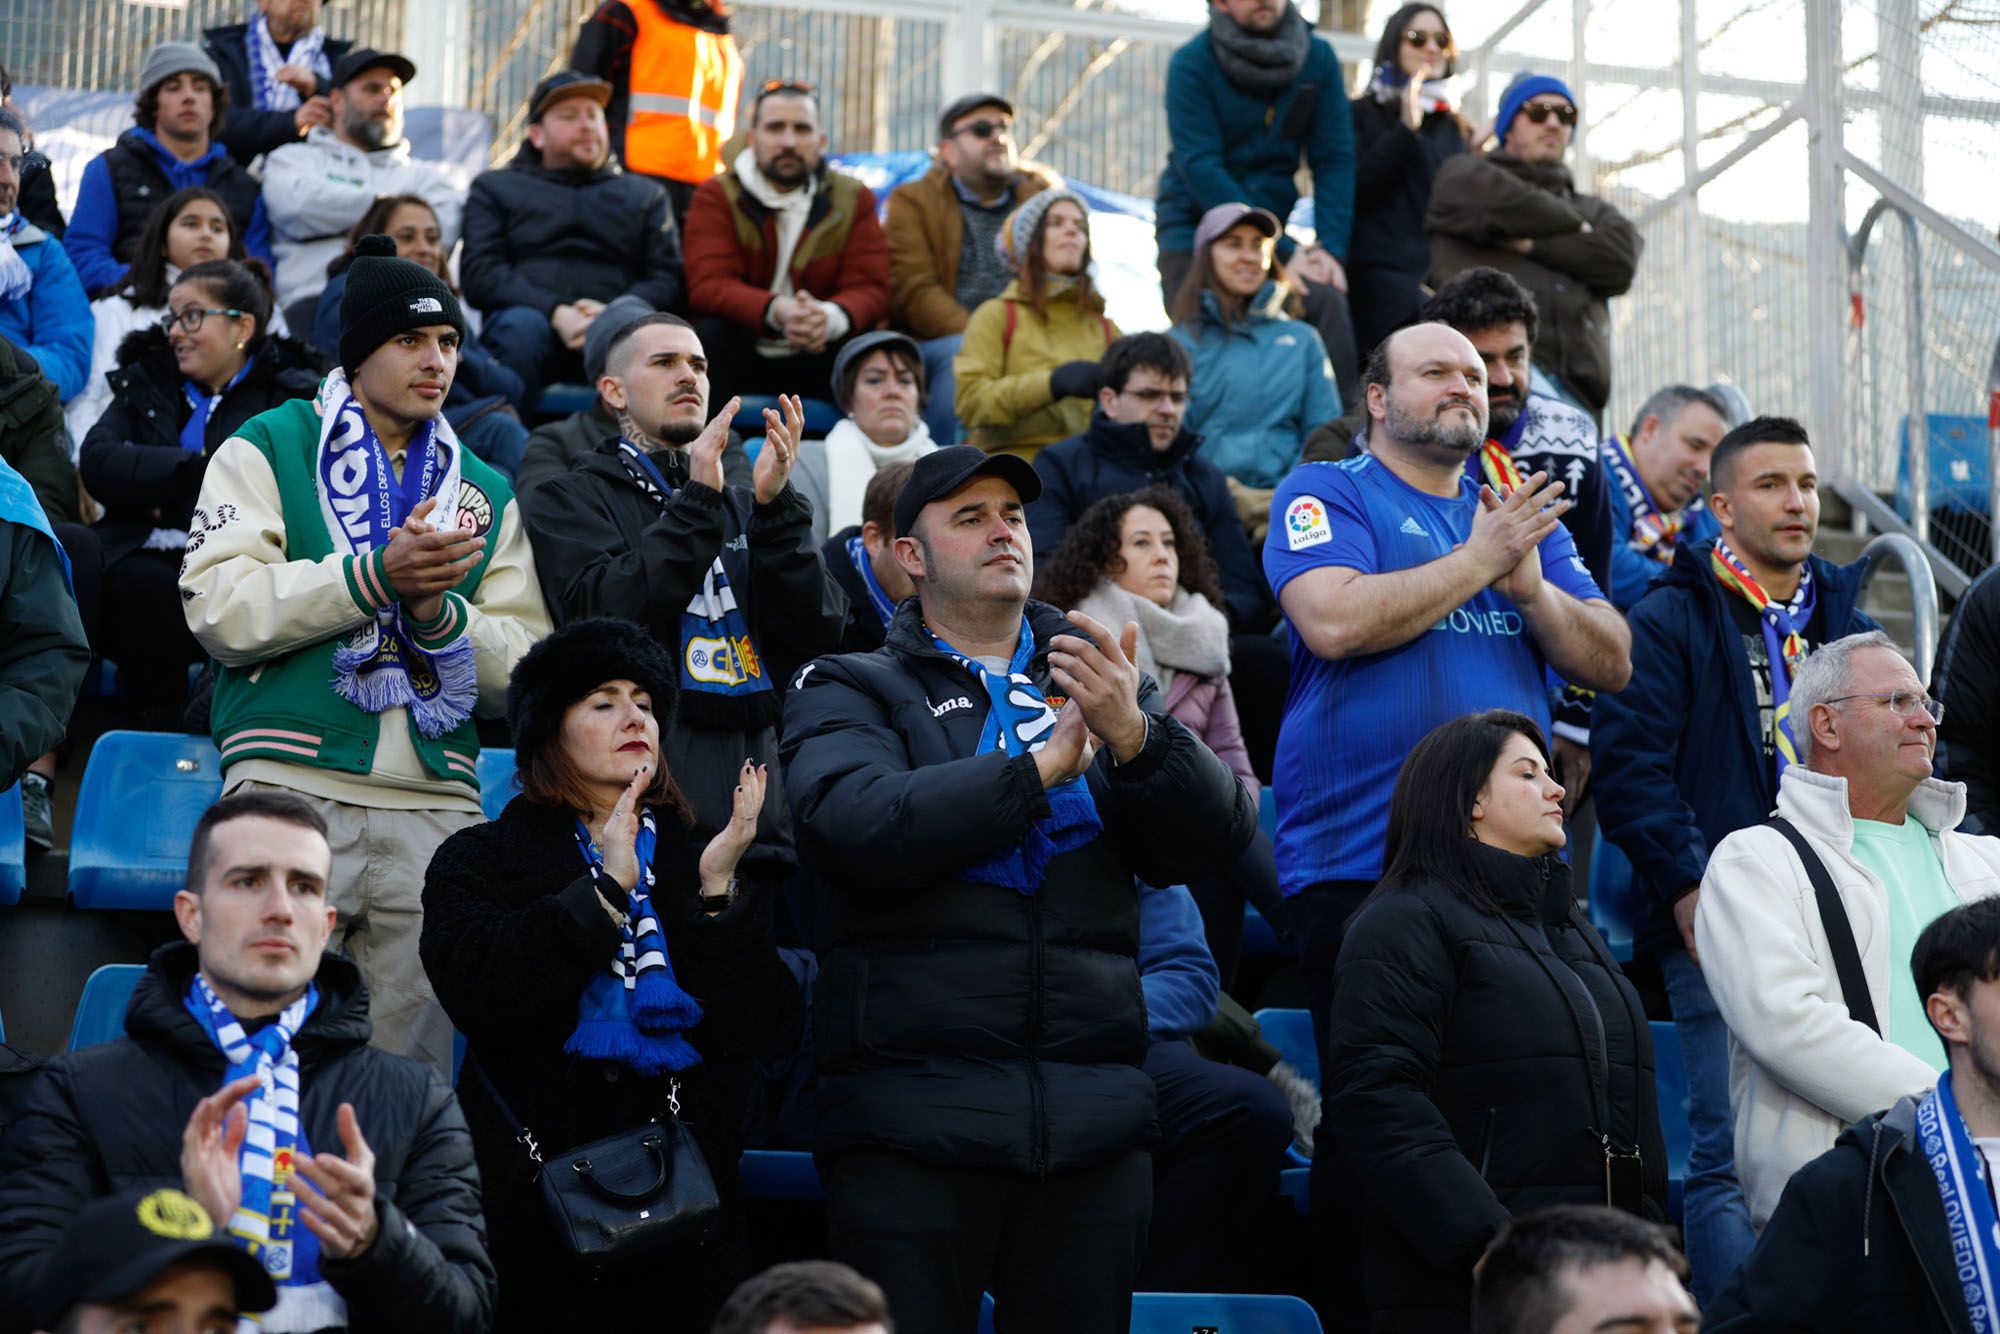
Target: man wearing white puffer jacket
1807	1056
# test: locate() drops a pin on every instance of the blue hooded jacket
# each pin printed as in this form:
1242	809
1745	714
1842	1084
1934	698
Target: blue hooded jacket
1632	571
1229	144
94	223
1677	757
1258	389
53	323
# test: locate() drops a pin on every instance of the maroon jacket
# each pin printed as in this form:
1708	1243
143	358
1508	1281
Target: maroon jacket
730	243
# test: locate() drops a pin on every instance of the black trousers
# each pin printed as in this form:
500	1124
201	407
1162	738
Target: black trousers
1060	1256
1260	672
143	629
734	366
1253	879
1223	1132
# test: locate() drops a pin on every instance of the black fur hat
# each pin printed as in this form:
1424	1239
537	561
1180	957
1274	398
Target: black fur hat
574	661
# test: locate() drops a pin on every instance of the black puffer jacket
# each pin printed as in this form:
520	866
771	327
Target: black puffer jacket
537	237
1388	252
964	1024
132	460
109	1118
1469	1056
1859	1242
246	132
513	932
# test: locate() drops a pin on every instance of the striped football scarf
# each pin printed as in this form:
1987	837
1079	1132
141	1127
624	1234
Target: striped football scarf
1784	635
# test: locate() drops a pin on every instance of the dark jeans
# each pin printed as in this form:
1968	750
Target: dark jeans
1326	311
1318	920
522	339
1060	1256
1253	879
1260	672
1223	1132
734	366
86	573
147	634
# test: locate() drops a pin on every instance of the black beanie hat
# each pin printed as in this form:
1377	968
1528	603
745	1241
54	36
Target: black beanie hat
574	661
386	296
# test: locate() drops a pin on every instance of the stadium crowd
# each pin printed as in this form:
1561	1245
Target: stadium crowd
896	655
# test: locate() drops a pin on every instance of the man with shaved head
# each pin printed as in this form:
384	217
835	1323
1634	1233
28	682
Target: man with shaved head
1415	595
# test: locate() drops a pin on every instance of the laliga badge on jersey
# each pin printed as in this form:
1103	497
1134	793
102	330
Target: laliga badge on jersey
1306	524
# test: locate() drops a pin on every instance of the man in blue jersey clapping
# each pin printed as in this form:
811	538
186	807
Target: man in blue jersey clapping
1415	595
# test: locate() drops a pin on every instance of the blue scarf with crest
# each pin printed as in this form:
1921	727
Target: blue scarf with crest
1960	1171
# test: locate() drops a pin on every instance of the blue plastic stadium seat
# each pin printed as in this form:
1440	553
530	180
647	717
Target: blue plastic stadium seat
496	779
780	1174
100	1015
1670	1083
563	400
13	846
1959	478
1616	903
821	416
1291	1032
141	795
1223	1312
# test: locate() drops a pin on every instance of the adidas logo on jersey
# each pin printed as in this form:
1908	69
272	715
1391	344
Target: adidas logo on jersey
1413	528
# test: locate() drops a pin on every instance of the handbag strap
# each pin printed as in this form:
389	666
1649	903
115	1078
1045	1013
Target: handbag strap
1839	932
524	1137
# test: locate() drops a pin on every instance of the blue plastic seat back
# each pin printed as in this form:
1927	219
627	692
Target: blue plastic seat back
100	1015
565	400
1223	1312
1616	903
1959	477
136	809
780	1174
1670	1083
821	416
1291	1032
13	846
495	767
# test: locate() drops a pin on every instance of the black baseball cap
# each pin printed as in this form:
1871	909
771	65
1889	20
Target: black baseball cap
560	87
969	103
117	1244
941	472
355	63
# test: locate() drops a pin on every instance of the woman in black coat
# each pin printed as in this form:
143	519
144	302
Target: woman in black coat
523	920
180	389
1485	1054
1404	129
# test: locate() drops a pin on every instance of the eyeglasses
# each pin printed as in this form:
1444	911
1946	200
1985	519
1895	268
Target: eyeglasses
1177	397
1419	39
190	319
1901	702
985	129
1539	112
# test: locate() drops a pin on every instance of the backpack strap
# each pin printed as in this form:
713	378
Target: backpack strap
1839	932
1007	328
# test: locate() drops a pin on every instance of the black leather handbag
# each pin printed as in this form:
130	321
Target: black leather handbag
636	1195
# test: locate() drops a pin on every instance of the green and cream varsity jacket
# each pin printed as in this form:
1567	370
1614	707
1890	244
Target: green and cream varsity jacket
268	597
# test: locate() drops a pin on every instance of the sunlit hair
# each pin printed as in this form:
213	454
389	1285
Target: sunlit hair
1089	549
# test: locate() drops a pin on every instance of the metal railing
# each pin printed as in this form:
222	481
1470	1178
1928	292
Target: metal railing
1916	566
1917	417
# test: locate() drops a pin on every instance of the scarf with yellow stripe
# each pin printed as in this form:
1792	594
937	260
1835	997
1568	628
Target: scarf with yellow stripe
1784	626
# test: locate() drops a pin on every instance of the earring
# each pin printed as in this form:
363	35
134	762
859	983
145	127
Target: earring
241	346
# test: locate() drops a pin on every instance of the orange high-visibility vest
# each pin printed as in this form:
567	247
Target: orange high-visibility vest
685	83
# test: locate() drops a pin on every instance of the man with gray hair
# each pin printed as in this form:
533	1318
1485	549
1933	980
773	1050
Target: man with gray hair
1805	924
1658	472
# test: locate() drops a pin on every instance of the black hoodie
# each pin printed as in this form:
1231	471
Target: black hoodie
110	1118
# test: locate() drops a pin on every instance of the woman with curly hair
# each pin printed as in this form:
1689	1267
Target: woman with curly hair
1141	556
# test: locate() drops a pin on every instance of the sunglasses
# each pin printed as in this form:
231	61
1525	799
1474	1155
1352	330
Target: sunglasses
1539	112
985	129
1419	40
786	86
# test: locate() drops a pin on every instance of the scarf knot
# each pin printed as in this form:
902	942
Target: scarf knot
1784	625
1389	83
1262	63
1655	533
266	1222
635	1014
267	91
1019	720
361	500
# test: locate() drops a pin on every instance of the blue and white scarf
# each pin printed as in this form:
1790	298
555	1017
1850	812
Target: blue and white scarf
361	499
267	92
1960	1171
16	278
1784	625
878	597
194	434
1655	533
266	1223
1018	722
635	1014
717	657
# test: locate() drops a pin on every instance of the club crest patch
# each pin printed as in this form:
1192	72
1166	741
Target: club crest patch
1306	523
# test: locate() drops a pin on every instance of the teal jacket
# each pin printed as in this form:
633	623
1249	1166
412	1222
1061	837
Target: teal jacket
1259	388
